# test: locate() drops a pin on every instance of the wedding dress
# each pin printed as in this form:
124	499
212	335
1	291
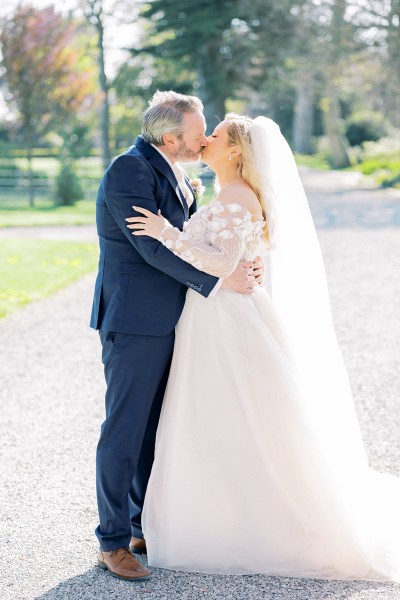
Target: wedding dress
259	463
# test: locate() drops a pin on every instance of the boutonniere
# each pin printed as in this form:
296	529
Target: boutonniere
197	187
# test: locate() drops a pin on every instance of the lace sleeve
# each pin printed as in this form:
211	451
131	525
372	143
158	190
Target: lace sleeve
211	241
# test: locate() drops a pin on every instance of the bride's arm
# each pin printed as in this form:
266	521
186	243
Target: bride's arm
219	259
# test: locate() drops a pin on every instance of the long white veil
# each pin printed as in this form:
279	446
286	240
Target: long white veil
299	291
327	414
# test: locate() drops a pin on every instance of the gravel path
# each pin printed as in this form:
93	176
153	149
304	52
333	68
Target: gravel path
52	406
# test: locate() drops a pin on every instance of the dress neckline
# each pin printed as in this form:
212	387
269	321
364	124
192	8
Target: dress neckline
229	206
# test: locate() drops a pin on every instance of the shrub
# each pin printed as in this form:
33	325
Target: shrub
387	179
68	187
382	160
388	146
365	126
389	163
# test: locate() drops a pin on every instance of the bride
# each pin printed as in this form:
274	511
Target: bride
260	465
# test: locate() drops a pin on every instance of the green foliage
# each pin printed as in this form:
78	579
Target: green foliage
387	180
226	47
42	69
379	163
33	269
381	160
384	169
365	126
77	142
260	57
68	186
42	73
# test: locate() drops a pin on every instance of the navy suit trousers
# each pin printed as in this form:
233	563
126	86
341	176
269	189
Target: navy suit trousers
136	369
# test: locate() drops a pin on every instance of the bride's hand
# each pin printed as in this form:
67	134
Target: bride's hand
148	224
258	270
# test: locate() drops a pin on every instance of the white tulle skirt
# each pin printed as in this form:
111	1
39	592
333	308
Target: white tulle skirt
248	477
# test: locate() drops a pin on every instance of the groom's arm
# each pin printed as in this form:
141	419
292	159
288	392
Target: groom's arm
130	181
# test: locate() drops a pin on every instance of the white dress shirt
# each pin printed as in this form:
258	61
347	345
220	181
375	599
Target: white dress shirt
180	178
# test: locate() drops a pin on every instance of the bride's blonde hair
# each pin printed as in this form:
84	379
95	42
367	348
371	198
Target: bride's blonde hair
239	134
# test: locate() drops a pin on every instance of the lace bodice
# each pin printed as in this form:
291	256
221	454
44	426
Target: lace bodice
216	238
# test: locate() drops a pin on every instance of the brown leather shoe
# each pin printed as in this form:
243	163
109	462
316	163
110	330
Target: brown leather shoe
138	546
121	564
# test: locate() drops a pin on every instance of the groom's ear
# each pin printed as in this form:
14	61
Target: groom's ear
169	140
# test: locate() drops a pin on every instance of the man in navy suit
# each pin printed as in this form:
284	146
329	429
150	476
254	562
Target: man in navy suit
139	296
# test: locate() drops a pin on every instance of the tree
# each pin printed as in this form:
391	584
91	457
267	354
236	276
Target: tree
393	47
322	45
42	73
379	24
340	55
95	15
193	33
304	51
228	45
68	187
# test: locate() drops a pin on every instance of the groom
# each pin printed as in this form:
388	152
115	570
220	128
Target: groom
139	296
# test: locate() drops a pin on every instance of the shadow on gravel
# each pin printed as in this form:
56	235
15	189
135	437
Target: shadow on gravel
169	585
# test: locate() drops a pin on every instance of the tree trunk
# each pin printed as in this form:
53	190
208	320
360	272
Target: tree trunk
332	125
393	37
211	92
303	115
214	110
330	104
105	107
393	82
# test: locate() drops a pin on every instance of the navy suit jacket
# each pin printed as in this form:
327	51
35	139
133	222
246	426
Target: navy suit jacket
141	286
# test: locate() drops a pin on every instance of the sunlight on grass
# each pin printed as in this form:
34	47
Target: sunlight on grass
14	213
312	161
33	269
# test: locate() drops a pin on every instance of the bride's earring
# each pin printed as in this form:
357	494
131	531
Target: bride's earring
229	157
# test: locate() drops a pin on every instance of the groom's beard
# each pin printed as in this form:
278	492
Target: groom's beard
184	153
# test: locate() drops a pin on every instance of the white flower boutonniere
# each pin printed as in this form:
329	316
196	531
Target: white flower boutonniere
197	187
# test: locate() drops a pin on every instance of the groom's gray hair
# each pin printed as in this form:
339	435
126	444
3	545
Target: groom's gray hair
165	115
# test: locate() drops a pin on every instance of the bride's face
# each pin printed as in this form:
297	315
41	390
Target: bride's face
217	149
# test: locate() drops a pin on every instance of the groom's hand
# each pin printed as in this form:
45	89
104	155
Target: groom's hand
242	279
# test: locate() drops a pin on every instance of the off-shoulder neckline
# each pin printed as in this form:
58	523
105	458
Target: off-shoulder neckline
230	204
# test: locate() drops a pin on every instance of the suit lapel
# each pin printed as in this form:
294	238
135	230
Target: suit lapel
158	162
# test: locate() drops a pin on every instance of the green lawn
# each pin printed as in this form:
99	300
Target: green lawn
14	212
50	166
385	169
313	161
33	269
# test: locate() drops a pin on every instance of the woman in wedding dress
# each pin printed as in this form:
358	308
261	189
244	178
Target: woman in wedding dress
259	464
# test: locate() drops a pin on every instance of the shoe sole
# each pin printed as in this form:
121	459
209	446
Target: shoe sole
135	550
104	567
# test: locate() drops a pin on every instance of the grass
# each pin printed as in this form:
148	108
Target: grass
14	212
33	269
384	169
51	166
313	161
